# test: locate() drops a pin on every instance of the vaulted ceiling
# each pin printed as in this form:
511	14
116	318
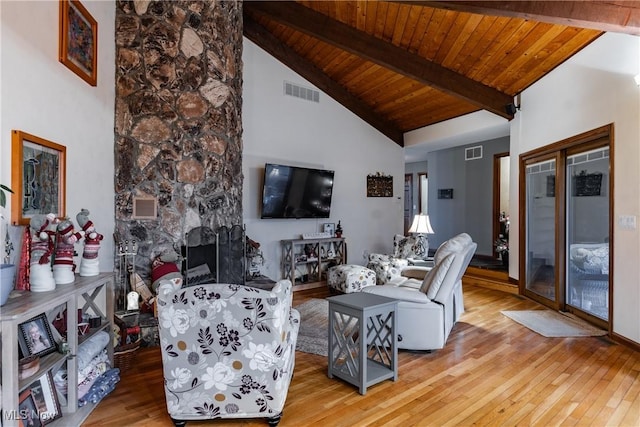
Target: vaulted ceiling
403	65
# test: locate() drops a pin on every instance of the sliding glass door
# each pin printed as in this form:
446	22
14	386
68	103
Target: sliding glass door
566	228
540	249
587	218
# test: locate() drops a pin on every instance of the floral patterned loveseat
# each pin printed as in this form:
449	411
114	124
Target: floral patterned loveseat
228	351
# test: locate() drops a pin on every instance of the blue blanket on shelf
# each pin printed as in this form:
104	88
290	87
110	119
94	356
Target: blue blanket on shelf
101	387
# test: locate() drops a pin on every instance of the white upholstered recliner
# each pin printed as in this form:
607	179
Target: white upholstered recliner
429	307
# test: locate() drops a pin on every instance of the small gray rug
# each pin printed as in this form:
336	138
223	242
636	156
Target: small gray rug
553	324
312	336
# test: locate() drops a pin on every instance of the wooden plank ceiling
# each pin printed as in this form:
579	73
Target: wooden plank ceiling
401	66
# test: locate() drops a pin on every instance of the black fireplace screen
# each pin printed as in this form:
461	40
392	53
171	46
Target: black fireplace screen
214	256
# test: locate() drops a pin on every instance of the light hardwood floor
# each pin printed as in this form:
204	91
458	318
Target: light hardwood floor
491	372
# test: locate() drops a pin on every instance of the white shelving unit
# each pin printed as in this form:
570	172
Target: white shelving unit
94	295
311	258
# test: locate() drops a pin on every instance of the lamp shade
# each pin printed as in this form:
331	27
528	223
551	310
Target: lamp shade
421	225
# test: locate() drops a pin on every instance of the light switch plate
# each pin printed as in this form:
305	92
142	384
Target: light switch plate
627	221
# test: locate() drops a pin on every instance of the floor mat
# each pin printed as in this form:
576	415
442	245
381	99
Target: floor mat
550	323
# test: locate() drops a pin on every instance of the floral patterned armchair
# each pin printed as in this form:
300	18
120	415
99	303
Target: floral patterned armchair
228	351
405	250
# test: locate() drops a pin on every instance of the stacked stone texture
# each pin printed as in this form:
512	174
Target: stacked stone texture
178	121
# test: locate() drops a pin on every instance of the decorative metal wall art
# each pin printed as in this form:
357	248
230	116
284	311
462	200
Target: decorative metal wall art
379	185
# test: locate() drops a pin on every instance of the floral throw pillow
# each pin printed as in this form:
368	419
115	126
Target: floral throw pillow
397	242
410	246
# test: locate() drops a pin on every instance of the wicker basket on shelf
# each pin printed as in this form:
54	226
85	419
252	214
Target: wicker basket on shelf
124	356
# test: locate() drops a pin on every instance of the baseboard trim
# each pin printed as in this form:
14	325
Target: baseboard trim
625	341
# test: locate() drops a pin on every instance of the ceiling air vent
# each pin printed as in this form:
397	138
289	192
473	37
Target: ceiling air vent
301	92
473	153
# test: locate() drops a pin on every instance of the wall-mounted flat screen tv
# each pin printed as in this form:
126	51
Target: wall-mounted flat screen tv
296	192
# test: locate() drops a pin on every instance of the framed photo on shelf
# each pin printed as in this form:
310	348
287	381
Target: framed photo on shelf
28	411
78	41
329	227
43	391
35	337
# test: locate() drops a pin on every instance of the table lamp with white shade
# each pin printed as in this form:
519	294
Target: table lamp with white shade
422	226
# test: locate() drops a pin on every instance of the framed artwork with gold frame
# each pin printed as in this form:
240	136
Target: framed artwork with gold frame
78	44
38	177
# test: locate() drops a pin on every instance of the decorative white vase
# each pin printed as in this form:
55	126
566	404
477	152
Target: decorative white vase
7	276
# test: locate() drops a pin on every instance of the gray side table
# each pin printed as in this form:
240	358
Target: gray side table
363	345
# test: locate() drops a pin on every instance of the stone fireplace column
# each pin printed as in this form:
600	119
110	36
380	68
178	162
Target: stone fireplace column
178	124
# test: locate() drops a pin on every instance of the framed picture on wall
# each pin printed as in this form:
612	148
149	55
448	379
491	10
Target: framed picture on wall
38	177
379	185
445	193
78	41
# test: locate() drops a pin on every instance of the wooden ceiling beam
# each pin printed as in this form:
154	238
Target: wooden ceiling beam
383	53
265	40
614	16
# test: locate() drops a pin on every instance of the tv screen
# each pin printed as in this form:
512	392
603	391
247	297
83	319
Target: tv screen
296	192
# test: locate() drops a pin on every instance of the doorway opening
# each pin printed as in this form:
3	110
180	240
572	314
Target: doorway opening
408	201
501	224
423	192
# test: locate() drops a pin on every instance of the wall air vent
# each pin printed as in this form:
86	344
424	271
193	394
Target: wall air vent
145	208
473	153
301	92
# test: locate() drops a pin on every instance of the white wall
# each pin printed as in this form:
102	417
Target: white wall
283	129
43	97
592	89
471	208
468	129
